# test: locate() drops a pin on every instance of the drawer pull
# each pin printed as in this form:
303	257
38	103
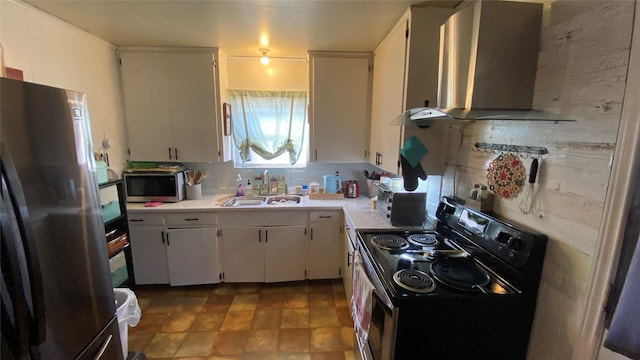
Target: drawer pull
325	216
136	220
191	219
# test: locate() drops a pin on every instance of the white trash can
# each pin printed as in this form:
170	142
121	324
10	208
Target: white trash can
127	312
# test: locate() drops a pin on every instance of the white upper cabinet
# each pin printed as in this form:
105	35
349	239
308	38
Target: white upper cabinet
405	75
340	105
173	104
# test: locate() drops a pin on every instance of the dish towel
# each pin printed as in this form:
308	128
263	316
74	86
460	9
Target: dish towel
361	301
624	332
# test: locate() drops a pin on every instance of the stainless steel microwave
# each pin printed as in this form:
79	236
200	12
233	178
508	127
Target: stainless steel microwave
146	186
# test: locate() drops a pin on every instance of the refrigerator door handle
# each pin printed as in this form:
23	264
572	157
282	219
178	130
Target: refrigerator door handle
26	260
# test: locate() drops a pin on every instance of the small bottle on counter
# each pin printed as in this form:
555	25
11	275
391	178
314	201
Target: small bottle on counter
474	191
483	193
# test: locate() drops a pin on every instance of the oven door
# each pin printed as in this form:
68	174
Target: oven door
379	344
381	331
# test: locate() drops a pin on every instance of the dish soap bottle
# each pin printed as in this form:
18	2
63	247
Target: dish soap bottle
240	191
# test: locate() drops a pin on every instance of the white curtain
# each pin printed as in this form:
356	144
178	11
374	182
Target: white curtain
268	122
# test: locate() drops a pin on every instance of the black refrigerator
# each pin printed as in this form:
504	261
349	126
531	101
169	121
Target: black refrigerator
56	292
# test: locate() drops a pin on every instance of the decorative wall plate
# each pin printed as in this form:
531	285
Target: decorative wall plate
505	175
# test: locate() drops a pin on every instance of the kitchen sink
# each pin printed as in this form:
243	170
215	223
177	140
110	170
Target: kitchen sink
273	200
283	200
245	201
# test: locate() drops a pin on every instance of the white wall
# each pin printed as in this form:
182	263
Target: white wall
582	69
279	74
52	52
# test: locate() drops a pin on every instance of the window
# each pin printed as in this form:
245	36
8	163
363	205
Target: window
269	128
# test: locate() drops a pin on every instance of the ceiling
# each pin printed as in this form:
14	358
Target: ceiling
292	27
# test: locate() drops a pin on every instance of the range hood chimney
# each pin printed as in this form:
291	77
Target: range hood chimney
488	61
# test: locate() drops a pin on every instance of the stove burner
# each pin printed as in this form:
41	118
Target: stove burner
459	274
414	280
389	242
423	239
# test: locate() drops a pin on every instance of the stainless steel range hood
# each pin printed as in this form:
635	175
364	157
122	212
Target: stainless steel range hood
488	60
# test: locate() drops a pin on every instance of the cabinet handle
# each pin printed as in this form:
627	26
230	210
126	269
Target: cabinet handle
175	150
348	259
162	234
168	243
170	158
191	219
311	233
259	236
136	220
266	236
325	216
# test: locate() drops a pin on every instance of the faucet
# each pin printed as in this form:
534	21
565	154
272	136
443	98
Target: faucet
265	182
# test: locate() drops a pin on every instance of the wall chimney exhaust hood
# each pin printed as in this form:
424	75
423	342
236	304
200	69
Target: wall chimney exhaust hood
487	70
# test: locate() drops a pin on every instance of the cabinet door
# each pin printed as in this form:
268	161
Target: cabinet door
242	254
147	105
149	255
325	249
387	98
340	107
285	253
192	255
193	106
347	260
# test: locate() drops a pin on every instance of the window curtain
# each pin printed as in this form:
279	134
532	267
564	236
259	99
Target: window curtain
268	122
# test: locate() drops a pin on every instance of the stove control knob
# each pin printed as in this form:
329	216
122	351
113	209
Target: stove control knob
503	237
515	243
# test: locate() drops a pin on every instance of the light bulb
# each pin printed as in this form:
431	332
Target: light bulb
264	59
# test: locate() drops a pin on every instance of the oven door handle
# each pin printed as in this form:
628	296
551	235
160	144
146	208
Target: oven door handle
378	288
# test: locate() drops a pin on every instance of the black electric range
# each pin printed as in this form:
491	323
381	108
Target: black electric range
468	289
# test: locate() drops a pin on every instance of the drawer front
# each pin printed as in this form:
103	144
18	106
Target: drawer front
324	216
197	218
262	218
145	219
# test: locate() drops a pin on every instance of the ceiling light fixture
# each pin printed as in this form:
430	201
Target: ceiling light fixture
264	60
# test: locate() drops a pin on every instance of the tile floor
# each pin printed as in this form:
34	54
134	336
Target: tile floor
296	320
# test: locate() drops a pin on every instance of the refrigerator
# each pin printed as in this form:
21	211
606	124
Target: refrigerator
56	291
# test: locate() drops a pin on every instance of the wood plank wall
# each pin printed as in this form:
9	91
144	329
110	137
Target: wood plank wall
582	69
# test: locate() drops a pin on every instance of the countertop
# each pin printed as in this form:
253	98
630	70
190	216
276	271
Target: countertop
358	210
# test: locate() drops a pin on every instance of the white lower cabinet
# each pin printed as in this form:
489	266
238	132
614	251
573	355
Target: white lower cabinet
325	244
192	256
263	246
242	254
285	253
148	251
347	258
185	248
149	254
264	254
166	250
